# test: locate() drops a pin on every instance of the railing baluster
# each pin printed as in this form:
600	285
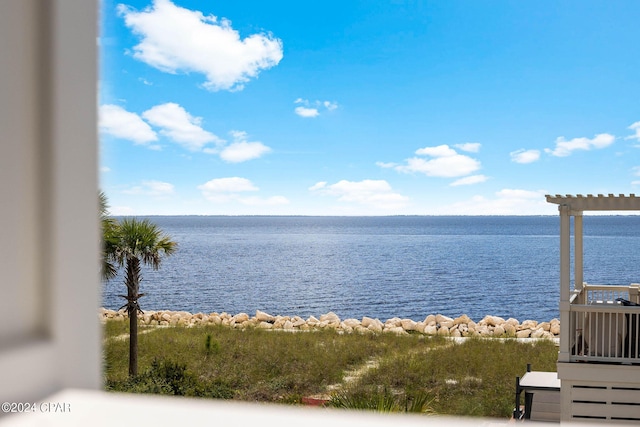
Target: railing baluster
602	329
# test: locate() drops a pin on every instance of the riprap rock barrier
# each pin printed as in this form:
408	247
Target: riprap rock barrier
462	326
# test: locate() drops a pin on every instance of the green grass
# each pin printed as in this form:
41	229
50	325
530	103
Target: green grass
476	378
414	373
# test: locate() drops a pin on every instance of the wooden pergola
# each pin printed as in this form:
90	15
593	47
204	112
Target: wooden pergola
573	206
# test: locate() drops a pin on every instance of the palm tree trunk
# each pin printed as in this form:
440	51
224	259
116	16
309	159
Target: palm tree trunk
133	282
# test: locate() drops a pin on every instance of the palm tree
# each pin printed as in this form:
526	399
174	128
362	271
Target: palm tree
138	242
109	228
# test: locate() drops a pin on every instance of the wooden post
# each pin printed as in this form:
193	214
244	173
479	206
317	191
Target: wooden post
565	281
578	271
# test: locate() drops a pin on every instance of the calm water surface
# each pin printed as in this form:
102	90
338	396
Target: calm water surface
378	266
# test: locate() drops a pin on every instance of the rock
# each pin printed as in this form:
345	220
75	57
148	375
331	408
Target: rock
279	322
298	321
366	321
462	319
376	324
482	330
529	324
430	320
351	323
375	327
430	329
330	317
420	327
441	318
312	321
537	333
265	325
264	317
525	333
455	333
492	320
513	322
408	325
394	322
545	326
288	325
554	328
472	327
447	324
240	317
509	329
498	331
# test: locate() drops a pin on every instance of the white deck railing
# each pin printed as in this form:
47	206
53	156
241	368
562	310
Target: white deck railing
602	328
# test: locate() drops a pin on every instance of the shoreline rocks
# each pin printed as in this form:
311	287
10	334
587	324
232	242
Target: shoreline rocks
462	326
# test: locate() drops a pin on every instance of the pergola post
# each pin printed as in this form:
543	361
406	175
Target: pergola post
565	280
578	251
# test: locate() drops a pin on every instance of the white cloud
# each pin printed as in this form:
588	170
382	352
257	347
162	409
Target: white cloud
175	39
228	185
525	156
471	147
439	151
564	148
444	162
318	186
151	188
180	126
636	128
386	165
330	105
309	109
373	193
241	150
506	202
469	180
118	122
636	170
224	190
307	112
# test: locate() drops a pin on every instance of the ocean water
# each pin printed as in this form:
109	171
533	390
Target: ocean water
381	267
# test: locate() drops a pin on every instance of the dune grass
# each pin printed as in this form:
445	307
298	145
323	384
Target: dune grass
412	373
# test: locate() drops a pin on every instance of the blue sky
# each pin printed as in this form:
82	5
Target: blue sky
366	107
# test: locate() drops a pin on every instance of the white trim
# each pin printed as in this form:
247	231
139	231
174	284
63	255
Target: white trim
48	112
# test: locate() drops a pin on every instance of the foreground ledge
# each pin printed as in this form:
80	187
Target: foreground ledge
463	326
102	409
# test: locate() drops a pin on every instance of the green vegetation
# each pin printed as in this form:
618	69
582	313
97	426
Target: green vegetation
387	372
129	244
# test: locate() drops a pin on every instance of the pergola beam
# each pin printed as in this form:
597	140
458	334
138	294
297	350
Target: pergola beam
597	203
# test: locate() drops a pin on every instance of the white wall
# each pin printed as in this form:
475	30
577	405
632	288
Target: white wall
49	236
